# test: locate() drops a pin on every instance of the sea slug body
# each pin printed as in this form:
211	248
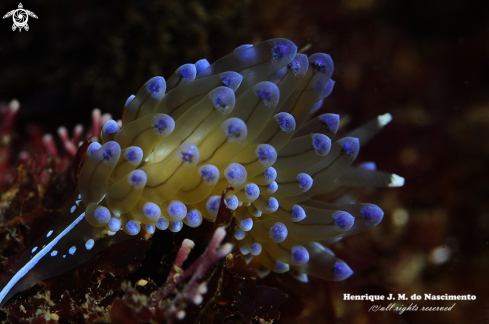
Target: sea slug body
242	122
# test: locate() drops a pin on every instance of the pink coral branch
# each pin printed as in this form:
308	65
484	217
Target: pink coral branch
175	274
68	144
8	114
192	291
96	122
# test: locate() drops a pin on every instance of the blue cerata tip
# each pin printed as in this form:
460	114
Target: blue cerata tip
244	250
270	174
252	191
235	129
285	121
295	66
101	215
272	187
322	63
188	153
162	223
330	120
343	221
111	127
268	92
231	79
111	151
255	249
187	71
281	267
298	214
246	224
114	224
222	98
239	234
163	124
133	227
372	214
129	100
369	166
282	48
328	89
213	204
350	145
299	255
231	202
175	226
193	218
152	211
133	154
278	51
209	174
149	228
273	205
266	154
201	65
302	277
341	270
176	210
93	147
305	181
321	144
235	174
156	87
137	179
299	63
278	232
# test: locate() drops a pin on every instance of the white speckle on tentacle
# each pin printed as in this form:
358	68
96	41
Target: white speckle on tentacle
54	253
72	209
34	249
49	233
89	244
78	202
72	250
64	256
79	196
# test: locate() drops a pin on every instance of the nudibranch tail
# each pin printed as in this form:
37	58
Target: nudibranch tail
242	122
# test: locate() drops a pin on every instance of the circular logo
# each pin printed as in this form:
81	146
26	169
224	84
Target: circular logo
20	17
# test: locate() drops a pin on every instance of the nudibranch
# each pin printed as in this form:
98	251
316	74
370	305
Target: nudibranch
243	122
